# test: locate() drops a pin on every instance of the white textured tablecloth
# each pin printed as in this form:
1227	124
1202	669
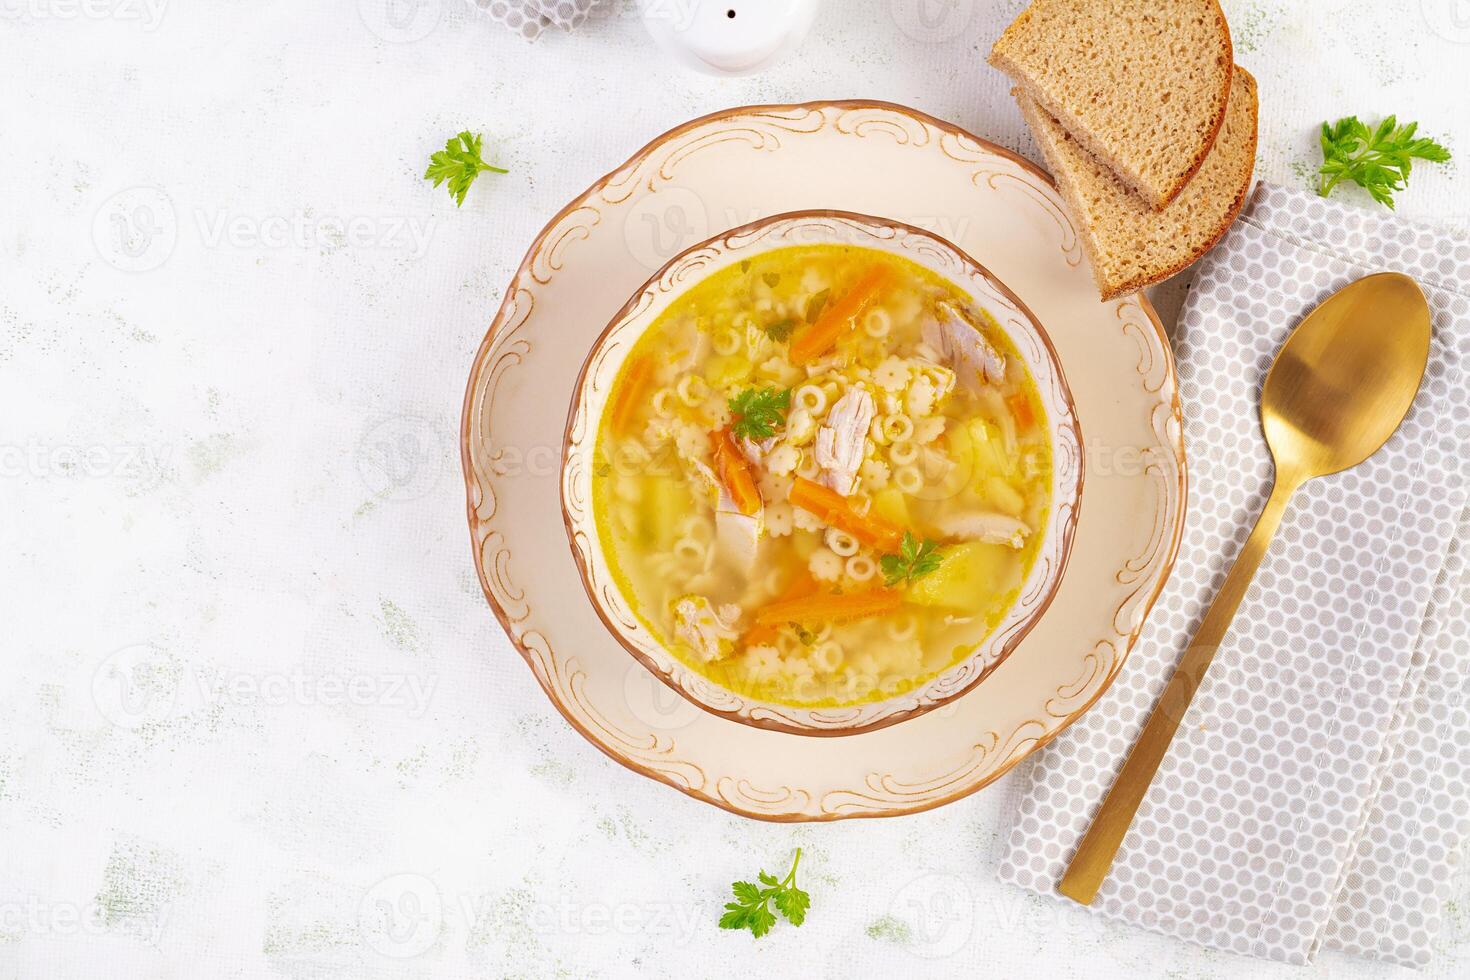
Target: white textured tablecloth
270	490
1315	792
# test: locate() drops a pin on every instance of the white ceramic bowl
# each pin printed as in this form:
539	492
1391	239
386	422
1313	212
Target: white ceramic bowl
691	267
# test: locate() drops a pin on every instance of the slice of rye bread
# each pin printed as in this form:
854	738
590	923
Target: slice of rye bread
1130	244
1142	84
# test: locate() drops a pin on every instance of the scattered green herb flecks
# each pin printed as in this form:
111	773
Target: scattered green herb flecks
1379	160
815	304
771	278
758	411
459	163
914	560
750	908
780	331
804	635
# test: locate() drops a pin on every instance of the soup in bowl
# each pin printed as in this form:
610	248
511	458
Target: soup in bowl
821	473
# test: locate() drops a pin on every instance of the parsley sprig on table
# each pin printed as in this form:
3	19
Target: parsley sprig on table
750	909
914	560
1377	159
758	411
459	163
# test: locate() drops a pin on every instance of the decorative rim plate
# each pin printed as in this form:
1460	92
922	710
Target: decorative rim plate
610	351
724	170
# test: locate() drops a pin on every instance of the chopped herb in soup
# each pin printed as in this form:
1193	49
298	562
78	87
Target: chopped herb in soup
822	476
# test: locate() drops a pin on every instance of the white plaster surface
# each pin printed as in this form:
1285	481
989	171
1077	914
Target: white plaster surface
256	719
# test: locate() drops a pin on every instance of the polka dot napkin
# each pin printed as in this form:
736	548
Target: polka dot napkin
529	18
1314	796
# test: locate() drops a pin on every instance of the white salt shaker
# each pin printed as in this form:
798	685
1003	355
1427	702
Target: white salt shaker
728	37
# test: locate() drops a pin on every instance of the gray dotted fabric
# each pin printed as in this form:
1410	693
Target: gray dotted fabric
566	14
1314	794
1391	900
529	18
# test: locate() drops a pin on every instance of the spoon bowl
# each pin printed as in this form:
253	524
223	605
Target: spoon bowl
1346	376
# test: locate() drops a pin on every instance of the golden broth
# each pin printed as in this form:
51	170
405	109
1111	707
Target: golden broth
822	476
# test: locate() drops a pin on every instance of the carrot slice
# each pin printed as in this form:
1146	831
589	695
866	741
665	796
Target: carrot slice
799	587
830	607
1020	407
838	317
630	393
734	472
837	510
759	636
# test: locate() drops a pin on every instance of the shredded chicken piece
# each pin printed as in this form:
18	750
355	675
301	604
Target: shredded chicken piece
756	451
704	629
989	528
842	441
996	406
737	535
695	355
964	348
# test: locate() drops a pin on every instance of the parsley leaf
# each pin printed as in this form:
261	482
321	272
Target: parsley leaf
750	910
914	560
793	903
815	304
1377	159
758	411
459	163
780	331
804	635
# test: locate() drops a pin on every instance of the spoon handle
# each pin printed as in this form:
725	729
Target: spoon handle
1095	854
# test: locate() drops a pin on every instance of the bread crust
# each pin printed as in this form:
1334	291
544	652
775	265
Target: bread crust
1066	183
1224	105
1226	220
1000	60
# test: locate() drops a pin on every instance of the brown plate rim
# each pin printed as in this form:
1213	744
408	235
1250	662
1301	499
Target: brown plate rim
500	318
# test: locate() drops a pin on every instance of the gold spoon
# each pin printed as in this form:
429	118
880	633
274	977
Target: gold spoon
1340	386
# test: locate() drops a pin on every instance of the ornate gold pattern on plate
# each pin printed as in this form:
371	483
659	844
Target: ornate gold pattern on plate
871	158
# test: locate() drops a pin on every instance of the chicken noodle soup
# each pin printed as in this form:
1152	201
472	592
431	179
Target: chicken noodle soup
822	476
